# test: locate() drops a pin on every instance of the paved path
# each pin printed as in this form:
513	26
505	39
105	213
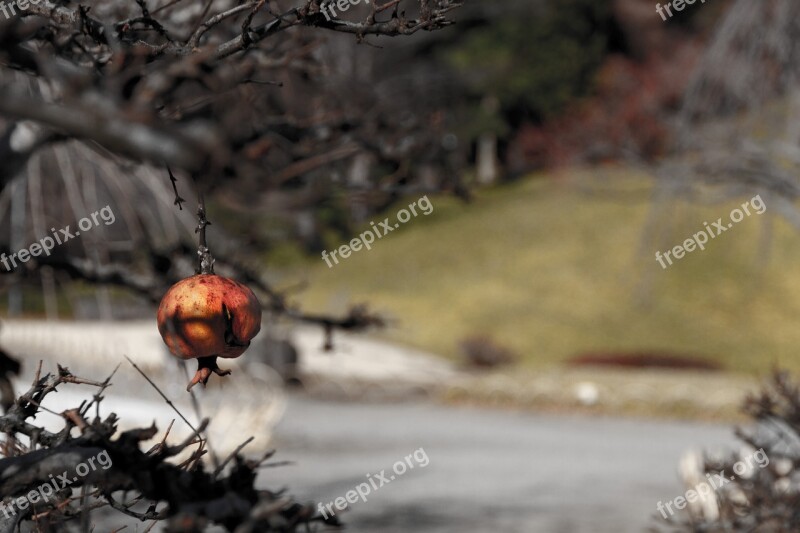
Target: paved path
489	471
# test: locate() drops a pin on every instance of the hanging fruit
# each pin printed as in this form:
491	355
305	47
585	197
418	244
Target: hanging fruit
208	316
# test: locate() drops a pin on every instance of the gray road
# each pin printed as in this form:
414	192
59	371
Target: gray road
488	471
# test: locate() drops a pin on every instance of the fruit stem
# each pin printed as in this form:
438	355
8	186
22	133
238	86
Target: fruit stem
205	260
205	367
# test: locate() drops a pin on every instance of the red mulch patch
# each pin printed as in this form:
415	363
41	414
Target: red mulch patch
644	360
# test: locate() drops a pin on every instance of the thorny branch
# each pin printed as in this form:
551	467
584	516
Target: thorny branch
764	496
208	90
205	261
123	77
186	495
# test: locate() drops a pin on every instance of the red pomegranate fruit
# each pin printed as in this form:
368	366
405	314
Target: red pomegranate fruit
208	316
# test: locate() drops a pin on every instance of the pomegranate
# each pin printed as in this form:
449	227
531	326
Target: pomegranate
208	316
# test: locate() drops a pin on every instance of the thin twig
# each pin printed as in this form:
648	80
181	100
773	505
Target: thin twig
178	200
235	452
169	402
199	415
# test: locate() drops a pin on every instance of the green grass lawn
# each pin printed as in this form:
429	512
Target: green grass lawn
552	267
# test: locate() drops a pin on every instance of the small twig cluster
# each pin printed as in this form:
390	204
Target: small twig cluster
146	485
766	498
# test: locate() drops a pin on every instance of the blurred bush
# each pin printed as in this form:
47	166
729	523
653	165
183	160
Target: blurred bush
482	351
539	62
578	81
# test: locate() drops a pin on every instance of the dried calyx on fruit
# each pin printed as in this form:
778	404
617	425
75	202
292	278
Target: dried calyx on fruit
208	316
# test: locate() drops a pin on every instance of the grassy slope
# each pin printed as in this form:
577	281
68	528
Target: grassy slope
550	269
